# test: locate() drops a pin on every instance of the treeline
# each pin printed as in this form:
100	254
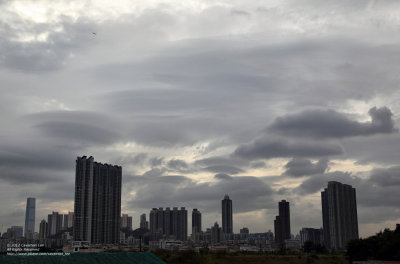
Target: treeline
383	246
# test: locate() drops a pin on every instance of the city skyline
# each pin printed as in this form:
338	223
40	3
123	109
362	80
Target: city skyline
262	100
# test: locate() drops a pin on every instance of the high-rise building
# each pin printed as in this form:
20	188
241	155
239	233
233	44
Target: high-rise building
169	223
30	217
282	223
339	215
143	222
196	221
227	222
54	223
126	221
68	220
217	235
311	234
14	232
97	206
244	230
43	229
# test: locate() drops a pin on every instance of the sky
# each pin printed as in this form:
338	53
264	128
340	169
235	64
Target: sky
260	100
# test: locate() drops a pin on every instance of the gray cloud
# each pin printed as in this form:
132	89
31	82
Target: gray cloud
329	123
265	148
299	167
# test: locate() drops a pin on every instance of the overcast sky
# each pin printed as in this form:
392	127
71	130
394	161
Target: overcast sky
262	100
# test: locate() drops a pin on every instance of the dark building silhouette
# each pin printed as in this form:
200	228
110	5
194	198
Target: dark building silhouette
196	221
126	221
97	207
339	215
217	235
311	234
143	222
169	223
14	232
30	217
43	229
68	220
282	223
227	222
54	224
244	230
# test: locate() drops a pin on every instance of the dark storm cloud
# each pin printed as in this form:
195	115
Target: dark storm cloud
299	167
53	191
266	148
177	164
156	161
329	123
77	126
224	169
220	160
386	177
371	192
374	149
222	176
320	181
224	165
248	193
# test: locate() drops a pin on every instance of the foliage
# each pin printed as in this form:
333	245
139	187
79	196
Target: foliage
383	246
310	247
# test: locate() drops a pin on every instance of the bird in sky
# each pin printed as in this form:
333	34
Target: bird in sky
94	33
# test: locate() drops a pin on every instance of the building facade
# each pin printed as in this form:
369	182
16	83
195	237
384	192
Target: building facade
68	220
97	205
217	235
143	222
311	234
227	220
339	215
196	221
30	217
170	224
54	224
282	223
126	221
43	230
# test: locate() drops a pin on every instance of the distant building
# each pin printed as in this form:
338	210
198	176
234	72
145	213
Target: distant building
143	222
244	230
97	205
282	223
311	234
196	221
68	220
43	229
30	217
14	232
126	221
169	223
54	224
217	235
227	220
339	215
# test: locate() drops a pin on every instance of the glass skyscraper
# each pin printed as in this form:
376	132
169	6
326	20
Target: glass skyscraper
30	217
